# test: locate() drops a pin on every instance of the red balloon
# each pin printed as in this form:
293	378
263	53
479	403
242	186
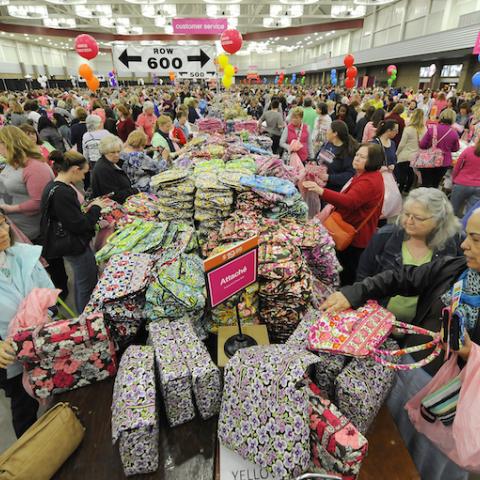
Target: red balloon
349	60
352	72
231	40
302	72
390	69
350	82
86	46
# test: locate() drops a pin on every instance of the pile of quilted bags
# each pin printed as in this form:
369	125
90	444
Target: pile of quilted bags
176	290
210	125
175	189
120	294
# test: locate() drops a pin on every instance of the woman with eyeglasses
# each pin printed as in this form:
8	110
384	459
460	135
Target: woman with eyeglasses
108	176
426	230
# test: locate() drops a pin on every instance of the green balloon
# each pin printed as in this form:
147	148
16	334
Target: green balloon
389	81
393	77
303	81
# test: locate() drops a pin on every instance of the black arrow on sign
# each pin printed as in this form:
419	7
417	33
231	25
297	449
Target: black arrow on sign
203	58
125	59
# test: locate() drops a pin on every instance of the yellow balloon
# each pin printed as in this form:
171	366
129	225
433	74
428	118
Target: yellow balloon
229	70
227	82
222	60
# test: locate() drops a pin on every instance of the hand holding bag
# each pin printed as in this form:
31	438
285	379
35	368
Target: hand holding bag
458	441
360	333
44	447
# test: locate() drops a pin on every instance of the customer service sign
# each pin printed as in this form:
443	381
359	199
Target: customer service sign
231	271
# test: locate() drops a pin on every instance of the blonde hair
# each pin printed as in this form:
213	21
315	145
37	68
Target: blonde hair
297	112
136	139
20	147
417	121
15	106
449	115
163	120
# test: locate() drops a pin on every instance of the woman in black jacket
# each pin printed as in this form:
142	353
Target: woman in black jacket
48	132
107	175
432	283
66	230
337	155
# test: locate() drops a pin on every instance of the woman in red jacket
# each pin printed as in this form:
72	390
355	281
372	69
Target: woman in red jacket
360	200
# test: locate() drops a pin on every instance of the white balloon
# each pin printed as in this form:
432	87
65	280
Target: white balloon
432	69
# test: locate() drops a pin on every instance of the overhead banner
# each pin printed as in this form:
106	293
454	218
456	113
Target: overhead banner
199	26
185	62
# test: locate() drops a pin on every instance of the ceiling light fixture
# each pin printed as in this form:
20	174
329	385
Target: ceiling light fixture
60	22
150	11
129	30
345	11
169	29
146	2
114	22
27	11
4	2
160	21
298	2
222	2
93	11
372	2
222	10
269	22
68	2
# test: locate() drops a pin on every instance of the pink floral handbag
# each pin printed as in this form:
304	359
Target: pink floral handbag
66	354
360	333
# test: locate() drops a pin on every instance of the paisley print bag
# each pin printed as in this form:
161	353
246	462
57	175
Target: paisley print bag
264	414
134	411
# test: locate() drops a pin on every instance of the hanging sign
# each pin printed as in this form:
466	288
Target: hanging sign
199	26
184	62
234	467
231	271
476	48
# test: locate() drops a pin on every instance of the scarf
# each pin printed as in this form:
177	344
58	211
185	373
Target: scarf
471	286
169	141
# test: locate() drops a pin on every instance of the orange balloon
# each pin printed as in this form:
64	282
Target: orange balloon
93	83
85	71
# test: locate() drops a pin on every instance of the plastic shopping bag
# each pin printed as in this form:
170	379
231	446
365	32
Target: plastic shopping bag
392	200
461	440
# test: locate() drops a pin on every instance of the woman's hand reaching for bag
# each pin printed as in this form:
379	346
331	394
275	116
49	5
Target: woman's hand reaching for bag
7	353
336	302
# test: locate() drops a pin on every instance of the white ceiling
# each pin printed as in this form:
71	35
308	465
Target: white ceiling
125	17
128	15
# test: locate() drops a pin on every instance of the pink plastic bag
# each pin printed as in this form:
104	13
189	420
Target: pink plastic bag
33	310
392	200
295	145
297	165
460	441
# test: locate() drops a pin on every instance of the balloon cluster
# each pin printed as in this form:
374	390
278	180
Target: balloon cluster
42	80
228	70
352	71
294	78
392	74
302	73
112	78
87	47
333	76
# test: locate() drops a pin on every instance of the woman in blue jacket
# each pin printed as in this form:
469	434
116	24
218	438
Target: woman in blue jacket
20	272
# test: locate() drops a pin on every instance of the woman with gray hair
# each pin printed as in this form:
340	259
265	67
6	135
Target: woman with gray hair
91	139
107	176
426	230
146	121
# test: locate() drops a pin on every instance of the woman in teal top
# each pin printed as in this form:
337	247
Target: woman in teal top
20	272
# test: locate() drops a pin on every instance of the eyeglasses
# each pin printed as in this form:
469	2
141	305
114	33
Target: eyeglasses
415	218
115	152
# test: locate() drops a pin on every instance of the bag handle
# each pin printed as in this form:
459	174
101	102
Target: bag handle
435	141
369	216
409	366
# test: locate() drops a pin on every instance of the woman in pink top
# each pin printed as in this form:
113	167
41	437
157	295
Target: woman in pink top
439	104
146	121
447	142
466	180
370	129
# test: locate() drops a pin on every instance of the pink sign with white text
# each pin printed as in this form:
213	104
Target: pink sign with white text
230	278
476	48
199	26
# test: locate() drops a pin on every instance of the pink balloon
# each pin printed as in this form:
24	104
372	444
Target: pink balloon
86	46
390	69
231	40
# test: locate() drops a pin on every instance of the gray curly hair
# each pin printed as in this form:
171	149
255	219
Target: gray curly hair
439	207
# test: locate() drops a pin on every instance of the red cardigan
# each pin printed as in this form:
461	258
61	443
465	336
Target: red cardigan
355	203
